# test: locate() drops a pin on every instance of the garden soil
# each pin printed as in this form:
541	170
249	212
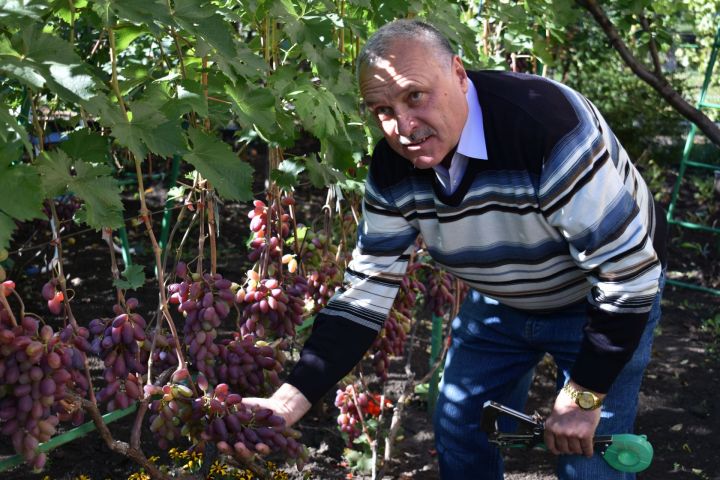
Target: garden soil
679	401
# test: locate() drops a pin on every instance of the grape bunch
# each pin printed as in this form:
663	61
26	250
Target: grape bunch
172	415
244	432
65	206
219	416
163	355
368	405
38	373
391	339
251	366
117	341
439	292
268	308
205	301
322	284
269	226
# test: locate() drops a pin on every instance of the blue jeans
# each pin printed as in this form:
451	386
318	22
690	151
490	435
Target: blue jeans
493	354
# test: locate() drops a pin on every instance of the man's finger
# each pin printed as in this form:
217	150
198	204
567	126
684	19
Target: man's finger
575	446
550	443
587	446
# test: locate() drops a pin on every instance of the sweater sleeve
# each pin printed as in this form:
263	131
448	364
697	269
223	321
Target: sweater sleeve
595	198
347	326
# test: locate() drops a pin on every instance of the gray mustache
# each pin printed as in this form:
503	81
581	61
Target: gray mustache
416	135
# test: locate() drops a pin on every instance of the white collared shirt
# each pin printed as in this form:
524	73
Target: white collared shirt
471	144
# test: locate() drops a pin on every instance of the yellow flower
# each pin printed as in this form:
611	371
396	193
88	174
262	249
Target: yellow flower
153	459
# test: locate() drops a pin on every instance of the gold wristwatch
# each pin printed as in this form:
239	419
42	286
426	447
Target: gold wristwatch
583	398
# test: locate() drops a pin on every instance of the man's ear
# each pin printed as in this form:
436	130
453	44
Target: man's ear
459	72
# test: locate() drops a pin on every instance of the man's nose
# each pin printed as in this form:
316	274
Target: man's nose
404	123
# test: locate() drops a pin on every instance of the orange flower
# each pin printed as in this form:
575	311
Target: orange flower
373	407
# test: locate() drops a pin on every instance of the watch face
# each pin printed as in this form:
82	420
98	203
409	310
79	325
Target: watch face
585	400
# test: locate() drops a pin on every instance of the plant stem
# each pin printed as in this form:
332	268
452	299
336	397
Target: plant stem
145	217
66	300
212	229
107	236
6	306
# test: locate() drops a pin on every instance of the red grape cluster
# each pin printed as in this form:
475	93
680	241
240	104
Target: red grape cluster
117	342
65	206
220	416
163	354
251	366
391	340
439	292
267	237
267	307
205	301
349	418
38	370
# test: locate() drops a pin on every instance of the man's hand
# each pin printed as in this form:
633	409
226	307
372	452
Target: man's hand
286	402
570	429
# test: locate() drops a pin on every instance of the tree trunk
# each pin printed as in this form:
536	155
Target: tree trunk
656	81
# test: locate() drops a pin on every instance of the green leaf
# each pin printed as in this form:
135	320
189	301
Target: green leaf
318	111
15	133
10	9
99	191
286	175
22	191
144	12
87	146
321	175
7	228
191	94
254	106
133	278
199	17
55	60
124	36
215	161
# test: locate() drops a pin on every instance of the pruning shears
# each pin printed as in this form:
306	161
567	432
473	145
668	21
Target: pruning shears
624	452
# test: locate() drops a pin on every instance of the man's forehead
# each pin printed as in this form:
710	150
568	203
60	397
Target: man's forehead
385	78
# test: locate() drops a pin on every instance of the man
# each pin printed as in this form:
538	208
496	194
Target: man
519	188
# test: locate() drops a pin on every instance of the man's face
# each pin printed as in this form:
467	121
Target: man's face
418	100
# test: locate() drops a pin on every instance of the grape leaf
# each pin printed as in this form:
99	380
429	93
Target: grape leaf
87	146
133	278
254	106
7	227
100	192
199	17
145	12
321	175
231	176
286	175
22	191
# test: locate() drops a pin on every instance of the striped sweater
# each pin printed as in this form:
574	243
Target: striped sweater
556	215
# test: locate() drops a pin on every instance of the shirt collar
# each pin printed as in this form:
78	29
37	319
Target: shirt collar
472	140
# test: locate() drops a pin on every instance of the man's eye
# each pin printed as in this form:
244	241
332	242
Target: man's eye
383	112
415	96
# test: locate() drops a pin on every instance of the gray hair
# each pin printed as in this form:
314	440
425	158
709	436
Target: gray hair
377	46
